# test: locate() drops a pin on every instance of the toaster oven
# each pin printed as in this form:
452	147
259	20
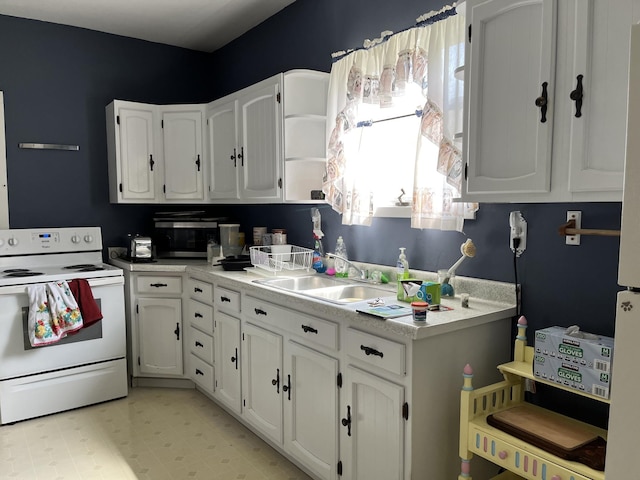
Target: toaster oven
184	234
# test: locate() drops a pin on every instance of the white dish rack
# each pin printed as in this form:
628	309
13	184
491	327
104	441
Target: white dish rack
276	258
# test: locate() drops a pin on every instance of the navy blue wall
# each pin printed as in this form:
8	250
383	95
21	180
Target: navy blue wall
57	81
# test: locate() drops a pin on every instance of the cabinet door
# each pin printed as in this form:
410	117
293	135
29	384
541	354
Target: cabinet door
227	348
373	428
311	409
599	40
160	333
223	152
262	380
260	134
183	159
136	155
511	63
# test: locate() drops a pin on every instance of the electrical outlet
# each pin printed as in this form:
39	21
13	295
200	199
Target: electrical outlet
517	233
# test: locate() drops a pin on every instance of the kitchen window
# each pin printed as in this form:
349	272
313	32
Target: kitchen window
397	107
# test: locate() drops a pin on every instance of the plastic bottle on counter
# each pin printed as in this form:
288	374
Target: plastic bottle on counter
402	272
318	255
341	267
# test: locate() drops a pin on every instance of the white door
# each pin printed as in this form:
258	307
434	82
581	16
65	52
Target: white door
372	427
596	133
311	409
227	348
262	380
511	70
160	333
137	162
624	415
260	133
223	151
183	158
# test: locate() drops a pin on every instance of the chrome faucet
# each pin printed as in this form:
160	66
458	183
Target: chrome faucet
362	274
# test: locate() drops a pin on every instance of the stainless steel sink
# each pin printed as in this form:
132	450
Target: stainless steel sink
349	293
328	288
296	284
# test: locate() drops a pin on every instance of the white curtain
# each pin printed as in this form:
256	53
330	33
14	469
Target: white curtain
422	58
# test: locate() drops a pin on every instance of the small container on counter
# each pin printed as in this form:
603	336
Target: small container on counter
420	311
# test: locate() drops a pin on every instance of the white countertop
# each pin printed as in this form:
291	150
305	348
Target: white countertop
489	300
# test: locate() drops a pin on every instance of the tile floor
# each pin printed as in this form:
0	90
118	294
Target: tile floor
153	434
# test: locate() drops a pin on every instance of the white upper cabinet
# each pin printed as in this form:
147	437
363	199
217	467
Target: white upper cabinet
155	153
183	152
260	138
222	142
511	70
570	58
244	138
130	148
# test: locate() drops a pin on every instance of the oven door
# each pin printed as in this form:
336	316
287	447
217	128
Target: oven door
102	341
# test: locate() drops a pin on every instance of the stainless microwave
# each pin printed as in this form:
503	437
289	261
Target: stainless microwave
182	236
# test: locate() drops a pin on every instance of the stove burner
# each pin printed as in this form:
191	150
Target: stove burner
14	270
84	267
24	273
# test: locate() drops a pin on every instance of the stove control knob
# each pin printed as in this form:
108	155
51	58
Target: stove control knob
75	239
13	241
1	242
88	238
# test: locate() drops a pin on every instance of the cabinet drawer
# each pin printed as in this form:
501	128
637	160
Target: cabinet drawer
159	284
201	373
377	351
524	462
201	345
228	300
201	291
200	315
315	330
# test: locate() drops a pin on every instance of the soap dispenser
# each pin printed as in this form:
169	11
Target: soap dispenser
402	273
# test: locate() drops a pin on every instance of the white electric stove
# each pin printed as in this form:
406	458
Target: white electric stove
81	369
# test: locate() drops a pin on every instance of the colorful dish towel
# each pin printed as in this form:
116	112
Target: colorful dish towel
53	312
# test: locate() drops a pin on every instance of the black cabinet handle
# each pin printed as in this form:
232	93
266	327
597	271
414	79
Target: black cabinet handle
198	162
371	351
225	299
177	331
235	359
233	157
346	422
197	290
308	329
199	372
151	162
542	102
197	315
158	285
260	312
276	381
241	156
287	388
577	95
198	344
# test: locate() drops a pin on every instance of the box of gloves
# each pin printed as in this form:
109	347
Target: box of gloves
574	359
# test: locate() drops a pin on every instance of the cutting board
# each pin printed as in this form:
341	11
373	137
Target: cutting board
545	426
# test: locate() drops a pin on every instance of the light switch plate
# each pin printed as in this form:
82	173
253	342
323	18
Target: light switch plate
577	216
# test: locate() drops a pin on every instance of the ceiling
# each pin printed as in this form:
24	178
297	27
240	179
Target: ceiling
204	25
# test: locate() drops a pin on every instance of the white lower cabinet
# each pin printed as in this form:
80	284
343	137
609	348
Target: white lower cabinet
227	384
373	428
311	408
262	380
160	336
